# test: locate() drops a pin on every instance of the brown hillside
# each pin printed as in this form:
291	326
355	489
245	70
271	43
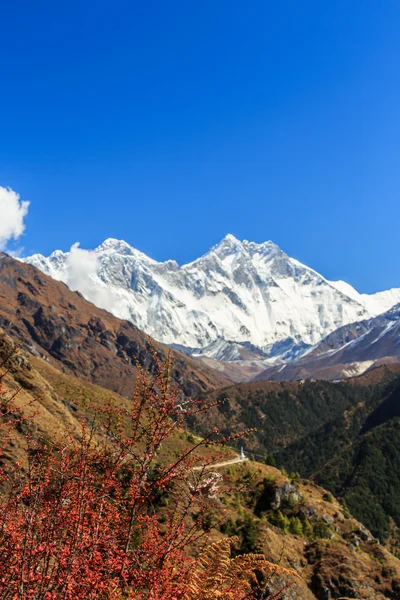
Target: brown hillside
333	553
61	326
57	401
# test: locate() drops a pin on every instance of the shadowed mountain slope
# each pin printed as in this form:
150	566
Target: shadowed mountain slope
61	326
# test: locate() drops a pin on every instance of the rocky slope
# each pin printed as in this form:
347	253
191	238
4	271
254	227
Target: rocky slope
336	556
61	326
348	351
239	298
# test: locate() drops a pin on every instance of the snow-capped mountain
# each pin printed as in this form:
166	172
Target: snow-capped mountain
374	303
239	295
348	351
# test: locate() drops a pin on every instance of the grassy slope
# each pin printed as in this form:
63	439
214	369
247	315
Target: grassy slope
59	401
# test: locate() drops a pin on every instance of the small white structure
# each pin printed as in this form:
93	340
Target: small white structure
242	454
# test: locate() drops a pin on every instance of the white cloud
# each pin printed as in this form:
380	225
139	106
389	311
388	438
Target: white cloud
81	275
81	266
12	214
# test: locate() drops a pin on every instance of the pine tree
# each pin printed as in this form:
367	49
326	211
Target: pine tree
281	521
295	526
308	530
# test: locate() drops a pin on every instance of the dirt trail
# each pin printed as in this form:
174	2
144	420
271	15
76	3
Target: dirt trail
226	463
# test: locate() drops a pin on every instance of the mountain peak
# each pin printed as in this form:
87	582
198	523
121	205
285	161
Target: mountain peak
229	241
114	244
267	248
229	238
228	246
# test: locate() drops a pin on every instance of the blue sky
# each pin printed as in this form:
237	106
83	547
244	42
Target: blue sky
170	124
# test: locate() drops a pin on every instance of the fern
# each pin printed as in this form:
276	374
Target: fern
218	575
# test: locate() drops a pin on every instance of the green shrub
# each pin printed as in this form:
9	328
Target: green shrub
280	520
249	535
328	497
295	526
322	530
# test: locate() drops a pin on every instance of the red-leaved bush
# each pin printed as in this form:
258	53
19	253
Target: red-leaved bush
78	516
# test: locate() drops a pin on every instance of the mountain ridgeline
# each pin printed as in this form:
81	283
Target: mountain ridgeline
57	324
348	351
241	301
